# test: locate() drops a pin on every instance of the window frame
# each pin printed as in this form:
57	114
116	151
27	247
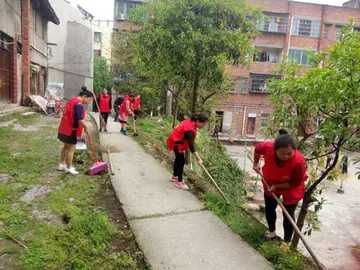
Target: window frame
302	56
260	84
314	30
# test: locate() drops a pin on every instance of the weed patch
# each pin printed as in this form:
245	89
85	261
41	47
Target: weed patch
231	179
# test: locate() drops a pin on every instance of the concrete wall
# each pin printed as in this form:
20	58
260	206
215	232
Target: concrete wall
10	19
71	59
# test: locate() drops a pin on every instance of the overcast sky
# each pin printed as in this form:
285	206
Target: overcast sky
103	9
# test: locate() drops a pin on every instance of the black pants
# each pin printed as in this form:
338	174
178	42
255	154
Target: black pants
179	164
136	114
116	109
270	211
105	116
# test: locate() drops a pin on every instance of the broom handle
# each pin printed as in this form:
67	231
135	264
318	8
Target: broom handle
302	237
92	147
97	105
217	187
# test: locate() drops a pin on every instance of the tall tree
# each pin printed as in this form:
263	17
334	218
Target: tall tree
322	109
186	43
103	77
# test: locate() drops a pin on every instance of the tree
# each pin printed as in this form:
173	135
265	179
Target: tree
322	107
185	44
103	77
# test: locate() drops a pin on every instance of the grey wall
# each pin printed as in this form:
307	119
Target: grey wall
71	59
10	20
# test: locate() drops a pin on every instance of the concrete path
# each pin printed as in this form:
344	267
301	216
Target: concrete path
171	225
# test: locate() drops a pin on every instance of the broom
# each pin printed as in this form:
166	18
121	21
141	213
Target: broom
98	166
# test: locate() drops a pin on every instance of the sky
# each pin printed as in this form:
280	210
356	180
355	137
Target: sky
103	9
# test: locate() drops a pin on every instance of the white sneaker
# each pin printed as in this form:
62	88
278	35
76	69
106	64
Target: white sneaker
72	171
62	167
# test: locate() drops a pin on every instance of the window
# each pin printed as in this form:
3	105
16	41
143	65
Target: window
300	57
273	23
97	52
239	85
259	82
251	123
123	8
326	31
338	33
264	119
303	27
97	37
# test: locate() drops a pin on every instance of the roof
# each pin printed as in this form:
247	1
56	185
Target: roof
44	7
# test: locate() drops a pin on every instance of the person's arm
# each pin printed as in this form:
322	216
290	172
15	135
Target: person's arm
260	150
128	107
296	178
79	109
190	137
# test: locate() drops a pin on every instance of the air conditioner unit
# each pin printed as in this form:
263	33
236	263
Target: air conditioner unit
120	16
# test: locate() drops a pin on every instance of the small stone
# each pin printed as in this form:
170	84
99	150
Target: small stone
71	200
252	207
27	113
4	178
1	223
15	154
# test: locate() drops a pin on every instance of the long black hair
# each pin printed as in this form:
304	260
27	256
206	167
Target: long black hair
284	140
202	118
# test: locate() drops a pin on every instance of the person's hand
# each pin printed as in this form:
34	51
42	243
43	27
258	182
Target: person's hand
272	188
200	162
256	168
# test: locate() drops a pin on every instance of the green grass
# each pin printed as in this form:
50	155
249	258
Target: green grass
84	240
231	179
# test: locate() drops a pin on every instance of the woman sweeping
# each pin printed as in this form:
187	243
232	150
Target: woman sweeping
181	138
71	125
285	172
125	110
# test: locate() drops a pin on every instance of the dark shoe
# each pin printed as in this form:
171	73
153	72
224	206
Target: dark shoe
105	130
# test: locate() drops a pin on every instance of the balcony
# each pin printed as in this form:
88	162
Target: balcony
267	55
273	23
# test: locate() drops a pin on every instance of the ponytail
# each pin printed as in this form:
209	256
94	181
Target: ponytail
202	118
284	140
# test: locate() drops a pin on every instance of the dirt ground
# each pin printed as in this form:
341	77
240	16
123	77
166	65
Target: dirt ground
105	200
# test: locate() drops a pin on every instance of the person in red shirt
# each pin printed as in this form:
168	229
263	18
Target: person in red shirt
125	110
71	125
135	105
104	101
181	138
285	171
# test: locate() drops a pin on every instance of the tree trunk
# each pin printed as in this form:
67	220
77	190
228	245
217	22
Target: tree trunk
176	109
168	103
195	92
301	218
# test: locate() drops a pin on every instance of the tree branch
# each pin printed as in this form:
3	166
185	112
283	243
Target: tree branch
328	170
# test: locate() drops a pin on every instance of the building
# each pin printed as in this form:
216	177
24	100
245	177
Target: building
121	10
70	51
23	47
103	30
290	30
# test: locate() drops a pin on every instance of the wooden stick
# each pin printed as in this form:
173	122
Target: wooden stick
217	187
110	163
15	240
102	121
302	237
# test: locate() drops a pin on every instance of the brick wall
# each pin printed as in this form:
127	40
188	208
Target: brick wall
25	26
241	105
13	73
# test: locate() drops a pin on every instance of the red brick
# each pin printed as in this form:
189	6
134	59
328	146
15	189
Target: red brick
259	103
25	33
13	73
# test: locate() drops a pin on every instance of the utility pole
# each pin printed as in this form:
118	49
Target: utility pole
25	40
